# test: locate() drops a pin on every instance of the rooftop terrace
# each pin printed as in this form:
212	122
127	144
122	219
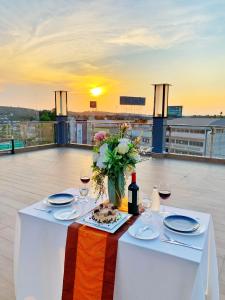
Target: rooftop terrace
28	177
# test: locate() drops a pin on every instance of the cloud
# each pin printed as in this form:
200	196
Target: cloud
143	37
53	41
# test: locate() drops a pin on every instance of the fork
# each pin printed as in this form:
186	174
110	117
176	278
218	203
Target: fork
44	209
176	242
141	230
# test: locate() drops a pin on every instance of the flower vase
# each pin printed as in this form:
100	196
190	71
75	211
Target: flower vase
116	187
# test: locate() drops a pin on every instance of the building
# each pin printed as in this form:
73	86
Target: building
196	136
186	135
175	111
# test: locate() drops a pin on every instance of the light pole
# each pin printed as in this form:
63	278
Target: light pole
62	132
161	94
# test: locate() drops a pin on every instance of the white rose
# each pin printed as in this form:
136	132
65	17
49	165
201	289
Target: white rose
135	156
103	149
95	157
101	162
123	148
124	140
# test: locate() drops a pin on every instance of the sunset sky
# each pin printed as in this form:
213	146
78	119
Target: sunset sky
120	45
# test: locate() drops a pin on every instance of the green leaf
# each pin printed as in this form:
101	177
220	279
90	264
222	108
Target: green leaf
121	183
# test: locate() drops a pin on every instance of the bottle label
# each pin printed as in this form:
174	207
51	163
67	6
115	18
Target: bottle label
130	197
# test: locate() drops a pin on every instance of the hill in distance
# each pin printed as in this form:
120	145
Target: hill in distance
9	113
18	113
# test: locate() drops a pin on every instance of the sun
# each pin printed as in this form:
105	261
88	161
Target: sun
96	91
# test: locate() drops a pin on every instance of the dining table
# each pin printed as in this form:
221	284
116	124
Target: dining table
154	269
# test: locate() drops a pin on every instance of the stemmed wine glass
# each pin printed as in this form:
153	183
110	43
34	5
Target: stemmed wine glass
164	191
84	187
146	203
146	215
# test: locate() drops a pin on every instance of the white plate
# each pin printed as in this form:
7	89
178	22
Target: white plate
45	201
148	234
199	231
64	215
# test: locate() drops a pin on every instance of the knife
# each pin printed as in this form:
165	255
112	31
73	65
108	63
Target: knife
182	244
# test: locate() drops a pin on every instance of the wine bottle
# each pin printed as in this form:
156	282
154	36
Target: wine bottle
133	196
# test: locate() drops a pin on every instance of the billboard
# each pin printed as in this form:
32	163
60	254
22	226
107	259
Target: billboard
93	104
127	100
175	111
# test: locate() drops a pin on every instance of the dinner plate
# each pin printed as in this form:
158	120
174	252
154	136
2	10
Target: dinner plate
65	215
45	202
149	234
60	199
201	229
181	223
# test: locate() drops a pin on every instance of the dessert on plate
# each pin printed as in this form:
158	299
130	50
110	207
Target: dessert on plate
105	213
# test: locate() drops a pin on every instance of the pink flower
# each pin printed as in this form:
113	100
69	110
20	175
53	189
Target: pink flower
100	136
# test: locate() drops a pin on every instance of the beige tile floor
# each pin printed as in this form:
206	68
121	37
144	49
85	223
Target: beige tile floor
28	177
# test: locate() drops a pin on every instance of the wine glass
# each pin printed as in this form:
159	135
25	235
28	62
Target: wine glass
164	191
84	187
146	222
85	176
146	203
83	190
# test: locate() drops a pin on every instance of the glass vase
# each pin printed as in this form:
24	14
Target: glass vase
116	188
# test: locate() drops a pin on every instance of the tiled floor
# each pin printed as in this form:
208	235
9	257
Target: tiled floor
28	177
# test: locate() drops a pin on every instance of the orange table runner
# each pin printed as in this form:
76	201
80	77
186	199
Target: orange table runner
90	262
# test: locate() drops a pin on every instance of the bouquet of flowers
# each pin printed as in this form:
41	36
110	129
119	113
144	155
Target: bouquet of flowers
115	157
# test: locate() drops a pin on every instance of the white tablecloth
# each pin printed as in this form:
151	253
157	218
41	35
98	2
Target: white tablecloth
145	269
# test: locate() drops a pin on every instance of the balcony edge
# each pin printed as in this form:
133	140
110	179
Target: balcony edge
189	158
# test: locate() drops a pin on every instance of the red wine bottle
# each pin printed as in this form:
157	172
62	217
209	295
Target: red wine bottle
133	196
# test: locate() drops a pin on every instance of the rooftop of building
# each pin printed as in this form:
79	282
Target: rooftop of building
197	121
183	121
29	177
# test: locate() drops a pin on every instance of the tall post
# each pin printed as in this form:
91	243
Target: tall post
161	93
13	146
212	142
62	126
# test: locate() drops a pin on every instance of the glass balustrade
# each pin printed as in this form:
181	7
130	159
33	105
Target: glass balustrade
180	139
26	134
83	132
204	141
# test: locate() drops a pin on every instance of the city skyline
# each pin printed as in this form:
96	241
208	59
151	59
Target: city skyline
123	48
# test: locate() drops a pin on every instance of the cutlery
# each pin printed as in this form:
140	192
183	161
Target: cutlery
70	213
182	244
176	242
141	230
43	209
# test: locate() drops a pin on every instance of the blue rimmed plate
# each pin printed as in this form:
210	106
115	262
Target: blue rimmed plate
60	199
180	223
